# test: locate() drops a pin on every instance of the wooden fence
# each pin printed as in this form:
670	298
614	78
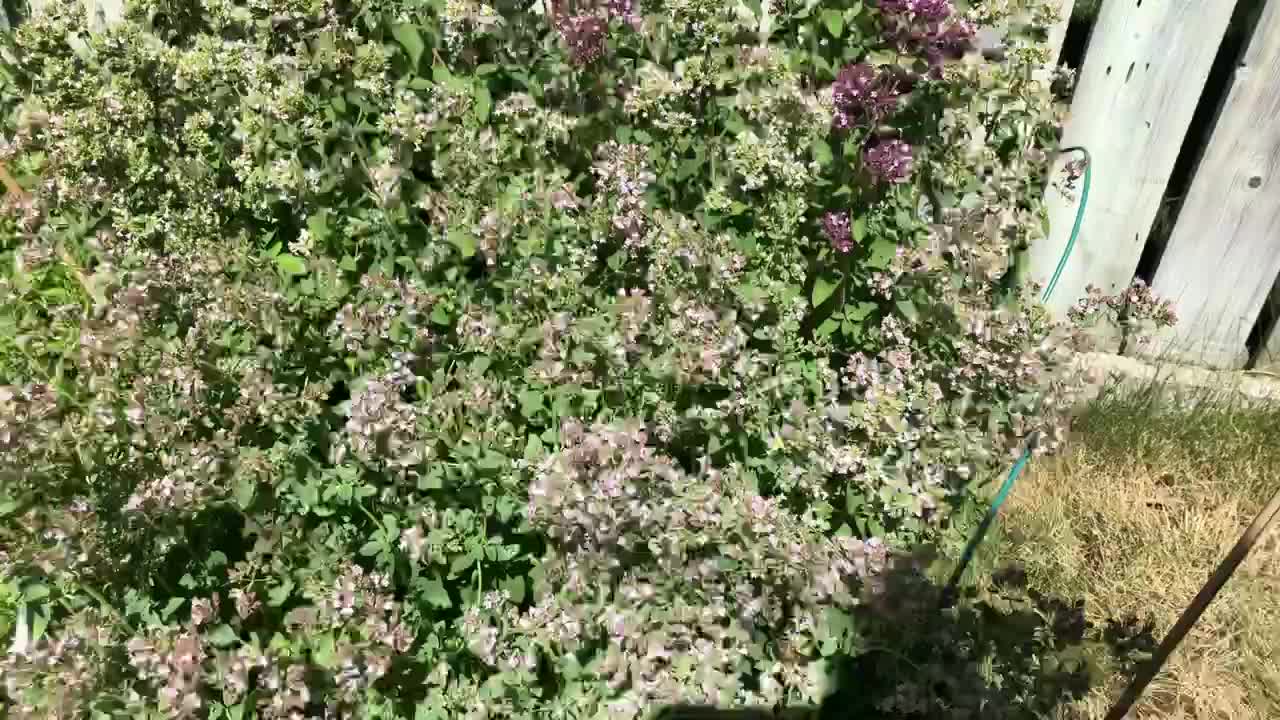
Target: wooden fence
1140	82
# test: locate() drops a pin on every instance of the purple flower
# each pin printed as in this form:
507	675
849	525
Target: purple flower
854	84
918	27
862	94
889	161
584	34
839	230
955	40
625	10
927	10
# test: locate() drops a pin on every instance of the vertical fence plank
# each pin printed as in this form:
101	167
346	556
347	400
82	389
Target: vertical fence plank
104	12
1269	359
1224	255
1145	67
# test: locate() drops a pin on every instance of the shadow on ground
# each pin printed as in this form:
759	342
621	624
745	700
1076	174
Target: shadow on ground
1001	652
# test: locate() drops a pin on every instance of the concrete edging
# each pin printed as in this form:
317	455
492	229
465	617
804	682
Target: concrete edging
1249	386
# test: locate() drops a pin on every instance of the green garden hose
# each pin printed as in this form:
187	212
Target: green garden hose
949	592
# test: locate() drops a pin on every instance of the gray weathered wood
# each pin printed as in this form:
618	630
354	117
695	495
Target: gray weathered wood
1224	255
1142	76
1269	358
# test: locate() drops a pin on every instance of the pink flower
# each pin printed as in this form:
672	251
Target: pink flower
839	230
889	161
927	10
863	95
584	34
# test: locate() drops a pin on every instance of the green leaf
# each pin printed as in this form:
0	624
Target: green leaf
433	480
318	226
408	36
323	651
462	240
533	448
171	607
436	594
822	152
223	636
838	622
860	229
484	103
39	623
492	461
370	548
882	254
244	493
291	264
854	500
515	588
279	594
834	20
35	591
822	289
462	562
860	311
531	403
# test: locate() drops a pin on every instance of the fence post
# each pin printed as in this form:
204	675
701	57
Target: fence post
1224	255
1138	88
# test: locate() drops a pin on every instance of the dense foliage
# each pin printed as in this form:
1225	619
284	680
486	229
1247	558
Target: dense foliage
442	359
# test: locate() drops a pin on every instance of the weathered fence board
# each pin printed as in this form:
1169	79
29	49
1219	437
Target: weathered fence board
1223	257
1145	67
1269	358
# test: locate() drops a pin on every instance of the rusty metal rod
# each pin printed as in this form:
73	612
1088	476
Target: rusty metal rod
1197	607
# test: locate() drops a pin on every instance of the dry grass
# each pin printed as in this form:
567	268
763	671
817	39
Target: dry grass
1134	518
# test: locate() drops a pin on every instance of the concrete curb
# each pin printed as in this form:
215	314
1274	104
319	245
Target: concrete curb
1181	381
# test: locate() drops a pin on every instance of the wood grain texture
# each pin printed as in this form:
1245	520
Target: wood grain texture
1223	258
1269	358
1144	69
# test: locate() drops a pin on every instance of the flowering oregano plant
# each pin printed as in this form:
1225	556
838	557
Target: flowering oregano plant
455	359
1136	312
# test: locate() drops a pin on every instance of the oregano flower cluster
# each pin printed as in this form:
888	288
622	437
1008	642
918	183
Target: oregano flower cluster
464	359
